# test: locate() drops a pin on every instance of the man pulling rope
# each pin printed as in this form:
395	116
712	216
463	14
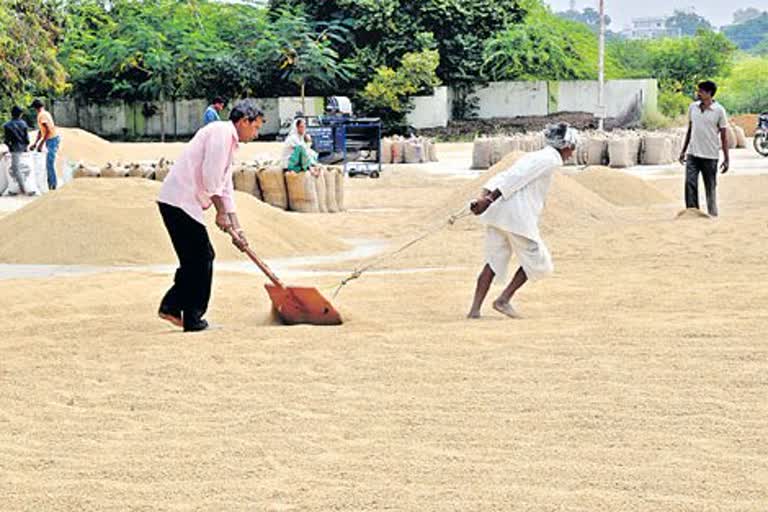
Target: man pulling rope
510	205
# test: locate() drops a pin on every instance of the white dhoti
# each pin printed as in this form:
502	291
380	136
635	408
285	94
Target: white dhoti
533	256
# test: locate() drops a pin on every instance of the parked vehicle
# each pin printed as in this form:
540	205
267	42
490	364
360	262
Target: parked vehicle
761	135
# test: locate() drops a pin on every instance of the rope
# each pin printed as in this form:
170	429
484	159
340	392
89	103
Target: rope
358	272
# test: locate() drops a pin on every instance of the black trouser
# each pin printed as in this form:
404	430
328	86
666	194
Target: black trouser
708	169
191	290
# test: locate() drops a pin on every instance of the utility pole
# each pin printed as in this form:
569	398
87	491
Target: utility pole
601	69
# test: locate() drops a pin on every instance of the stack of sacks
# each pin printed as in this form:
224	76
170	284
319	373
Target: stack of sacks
316	194
162	168
657	150
386	151
741	136
481	153
398	150
302	192
84	171
731	135
245	180
414	151
624	150
597	150
273	189
431	150
112	170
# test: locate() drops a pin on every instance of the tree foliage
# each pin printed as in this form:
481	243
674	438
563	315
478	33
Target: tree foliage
545	47
387	94
746	89
687	23
749	34
588	16
29	65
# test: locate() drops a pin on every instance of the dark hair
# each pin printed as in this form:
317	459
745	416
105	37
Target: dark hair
708	86
38	103
219	99
247	109
16	112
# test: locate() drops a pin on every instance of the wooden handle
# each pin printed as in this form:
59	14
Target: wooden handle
258	261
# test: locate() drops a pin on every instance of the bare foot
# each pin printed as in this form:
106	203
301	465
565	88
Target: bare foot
505	308
473	315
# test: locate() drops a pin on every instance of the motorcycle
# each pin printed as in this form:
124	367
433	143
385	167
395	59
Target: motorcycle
761	135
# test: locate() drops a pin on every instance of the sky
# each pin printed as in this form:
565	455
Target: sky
621	12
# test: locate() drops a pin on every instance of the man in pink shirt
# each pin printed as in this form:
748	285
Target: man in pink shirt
201	178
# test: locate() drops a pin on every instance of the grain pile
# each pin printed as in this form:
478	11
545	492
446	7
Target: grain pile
569	203
107	222
620	188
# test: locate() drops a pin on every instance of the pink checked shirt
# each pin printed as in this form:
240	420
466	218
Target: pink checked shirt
204	169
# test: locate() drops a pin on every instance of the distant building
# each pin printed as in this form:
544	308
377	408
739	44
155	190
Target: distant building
650	27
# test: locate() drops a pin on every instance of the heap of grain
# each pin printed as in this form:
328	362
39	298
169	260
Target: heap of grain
620	188
568	204
61	228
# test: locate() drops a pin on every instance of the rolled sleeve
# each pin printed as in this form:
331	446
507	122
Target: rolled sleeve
216	161
228	195
723	121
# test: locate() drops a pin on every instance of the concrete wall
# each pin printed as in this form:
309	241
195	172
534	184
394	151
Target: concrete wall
497	99
512	99
620	96
182	118
431	111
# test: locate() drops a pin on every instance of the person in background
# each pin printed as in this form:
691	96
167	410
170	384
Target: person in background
16	134
47	135
707	133
509	206
212	112
201	178
298	155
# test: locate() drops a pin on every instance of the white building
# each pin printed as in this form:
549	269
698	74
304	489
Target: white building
649	27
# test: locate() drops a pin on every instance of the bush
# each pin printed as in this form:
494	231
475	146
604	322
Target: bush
746	90
673	104
655	121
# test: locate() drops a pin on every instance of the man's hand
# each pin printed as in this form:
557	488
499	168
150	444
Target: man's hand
223	221
725	165
681	158
479	206
239	240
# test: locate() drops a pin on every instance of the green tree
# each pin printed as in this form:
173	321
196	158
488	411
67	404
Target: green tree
382	31
746	89
388	94
687	23
304	50
545	47
29	32
588	16
749	34
744	15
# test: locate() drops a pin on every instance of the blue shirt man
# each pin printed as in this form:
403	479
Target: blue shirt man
212	112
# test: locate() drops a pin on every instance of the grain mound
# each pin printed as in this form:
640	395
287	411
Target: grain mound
619	188
81	145
569	203
113	222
